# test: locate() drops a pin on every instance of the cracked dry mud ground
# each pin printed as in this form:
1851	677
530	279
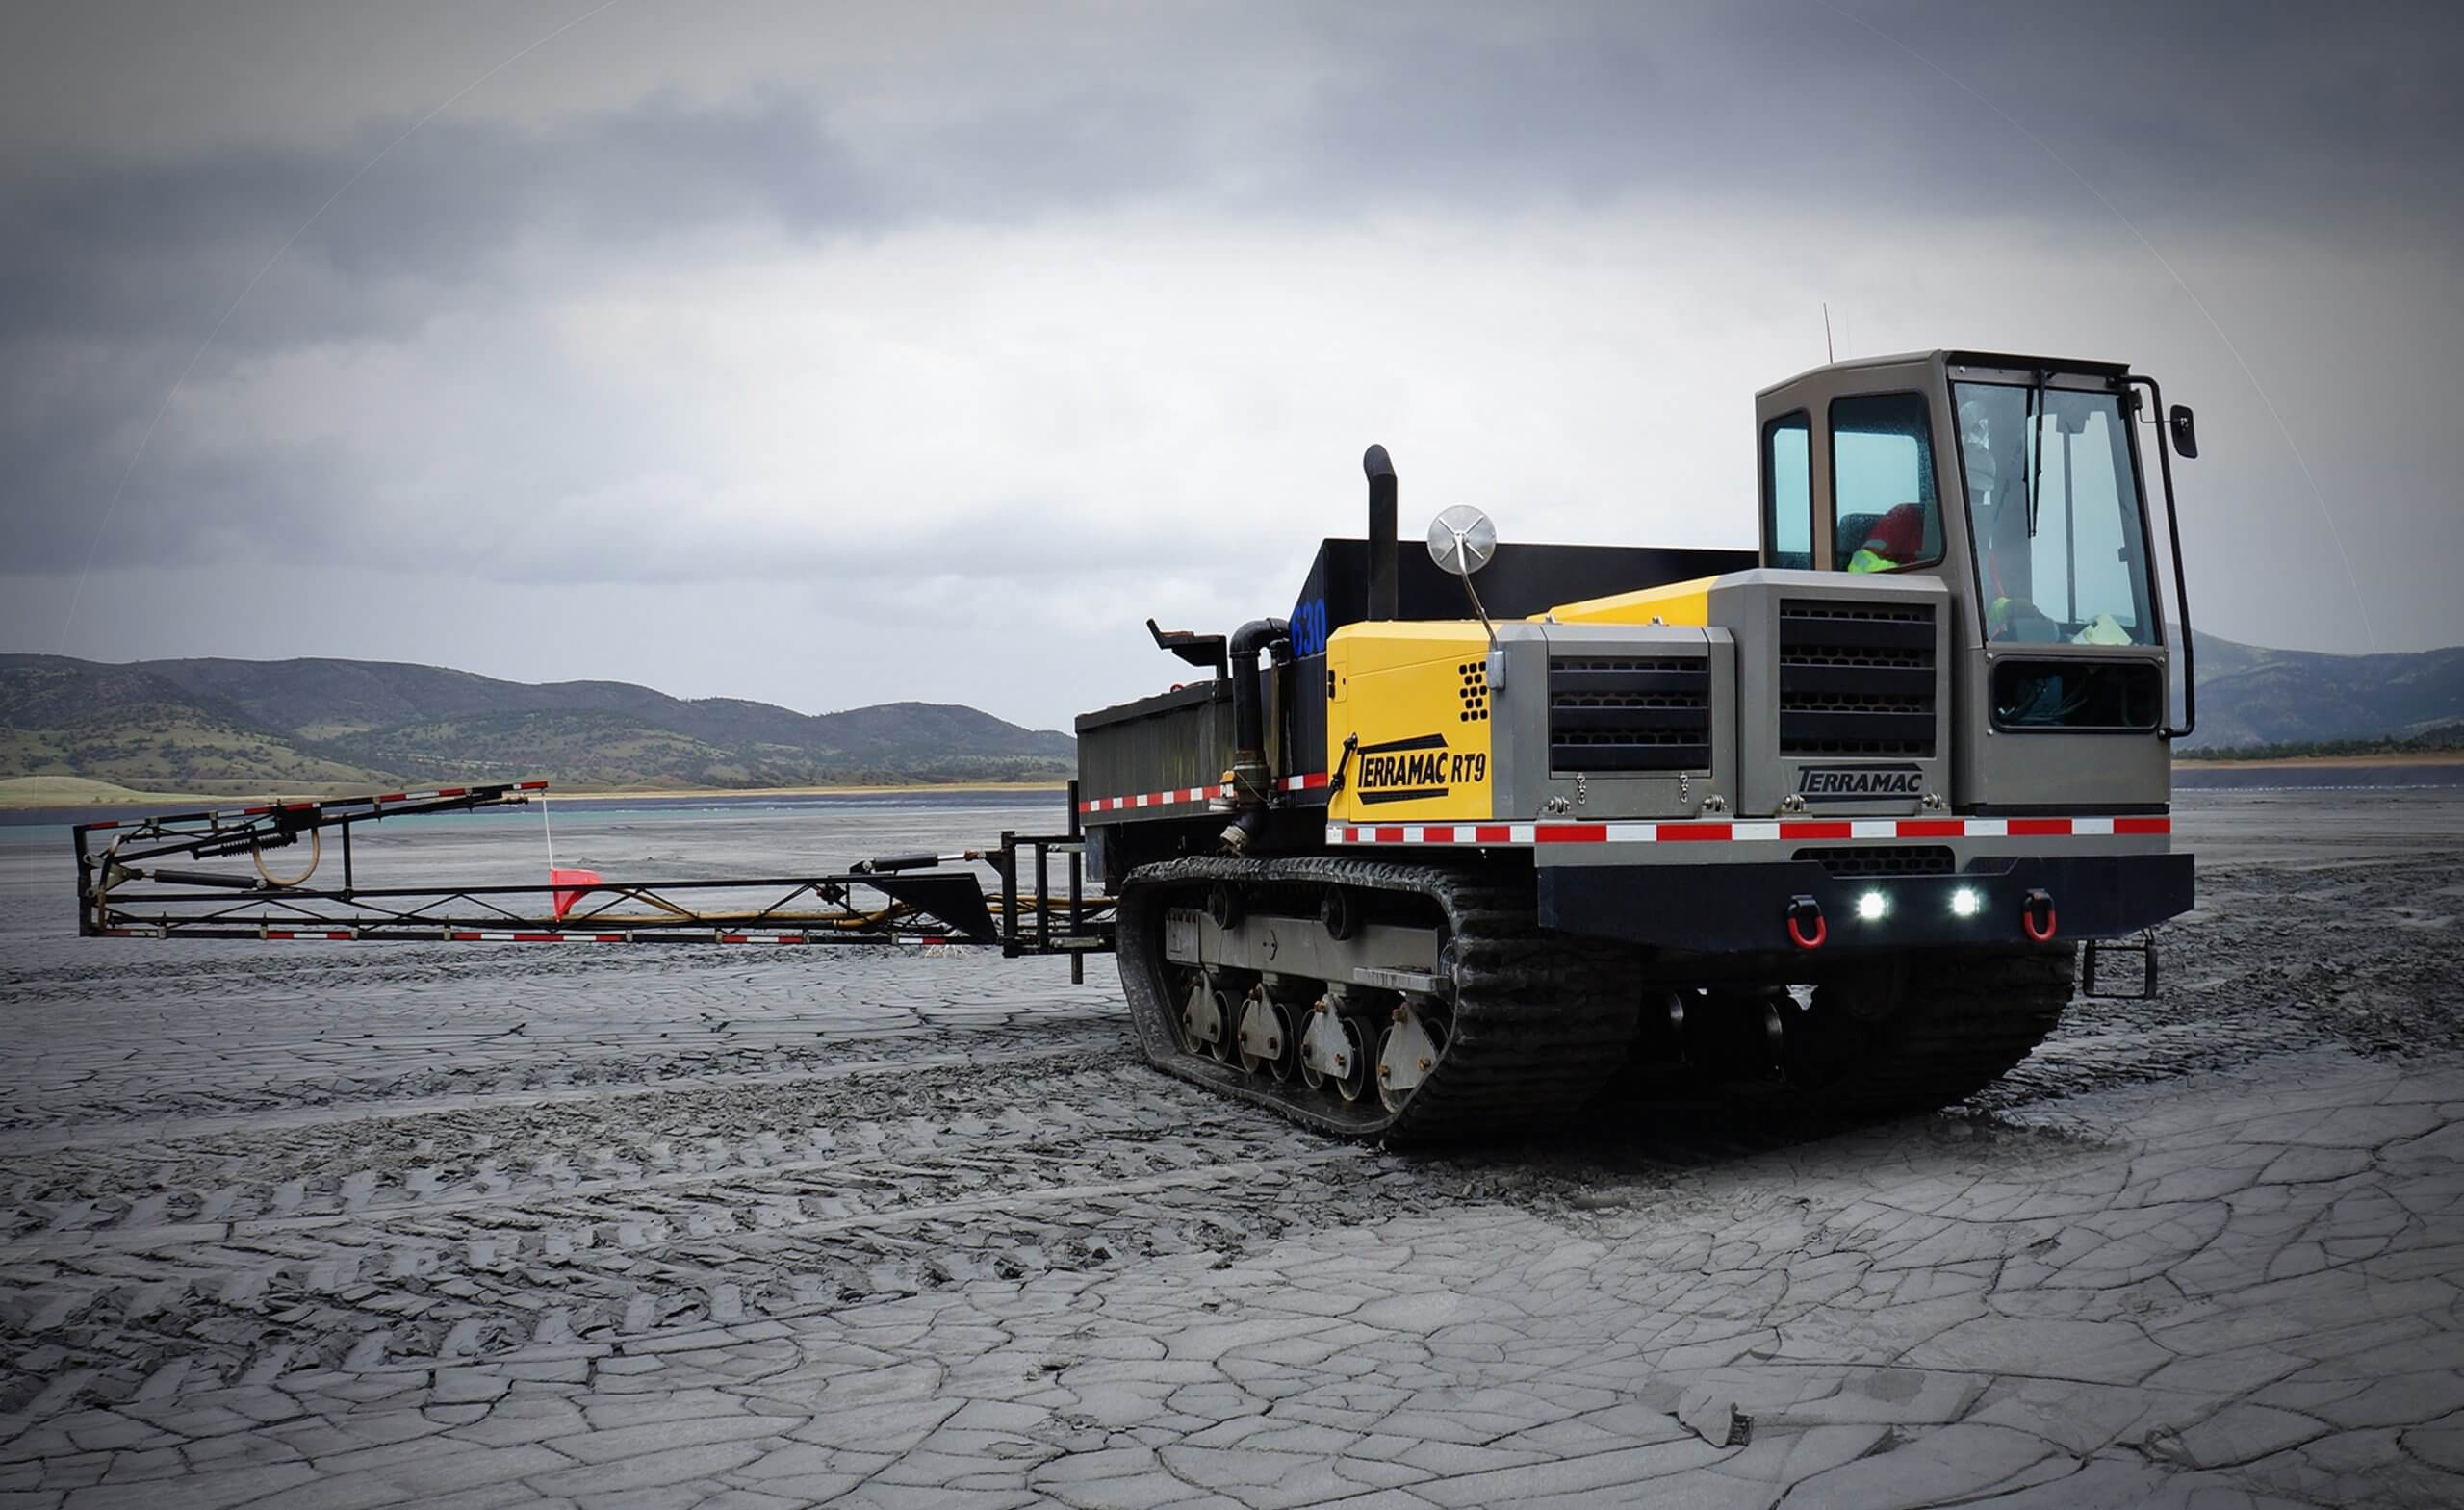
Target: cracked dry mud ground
367	1226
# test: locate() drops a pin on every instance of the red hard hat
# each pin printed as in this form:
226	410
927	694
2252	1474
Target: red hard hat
1900	534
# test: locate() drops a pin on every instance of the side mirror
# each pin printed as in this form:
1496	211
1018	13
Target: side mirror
2185	432
1462	540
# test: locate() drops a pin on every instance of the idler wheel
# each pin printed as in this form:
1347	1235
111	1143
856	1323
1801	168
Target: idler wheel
1207	1019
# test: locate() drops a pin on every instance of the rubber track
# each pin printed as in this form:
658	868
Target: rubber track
1963	1019
1541	1020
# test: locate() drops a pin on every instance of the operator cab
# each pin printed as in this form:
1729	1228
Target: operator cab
2017	481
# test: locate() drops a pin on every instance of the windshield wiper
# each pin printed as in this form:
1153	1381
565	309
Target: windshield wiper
2035	445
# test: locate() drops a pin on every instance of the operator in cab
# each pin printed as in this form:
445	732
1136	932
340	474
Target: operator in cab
1897	540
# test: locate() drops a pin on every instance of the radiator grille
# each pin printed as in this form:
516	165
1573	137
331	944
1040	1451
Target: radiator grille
1856	678
1630	713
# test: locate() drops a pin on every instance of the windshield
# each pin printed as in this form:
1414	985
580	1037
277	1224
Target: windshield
2053	506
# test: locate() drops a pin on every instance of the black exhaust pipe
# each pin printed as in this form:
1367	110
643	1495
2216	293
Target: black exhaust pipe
1381	533
1251	778
1249	713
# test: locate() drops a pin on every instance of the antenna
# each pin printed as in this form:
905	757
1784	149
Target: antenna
1827	355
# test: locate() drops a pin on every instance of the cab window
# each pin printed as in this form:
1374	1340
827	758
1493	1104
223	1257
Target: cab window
2053	505
1788	491
1889	517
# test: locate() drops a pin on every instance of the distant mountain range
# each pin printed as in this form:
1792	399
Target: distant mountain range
244	725
2251	696
231	725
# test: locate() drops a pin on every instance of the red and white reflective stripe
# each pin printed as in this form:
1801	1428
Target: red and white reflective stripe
441	792
470	935
1308	781
319	804
1170	799
1793	831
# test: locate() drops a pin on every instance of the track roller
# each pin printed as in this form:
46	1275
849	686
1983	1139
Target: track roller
1333	1055
1268	1044
1409	1048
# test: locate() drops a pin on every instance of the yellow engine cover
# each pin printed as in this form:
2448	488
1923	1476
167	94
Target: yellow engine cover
1412	698
1687	603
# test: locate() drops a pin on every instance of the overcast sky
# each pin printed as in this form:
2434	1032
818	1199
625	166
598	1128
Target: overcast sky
831	355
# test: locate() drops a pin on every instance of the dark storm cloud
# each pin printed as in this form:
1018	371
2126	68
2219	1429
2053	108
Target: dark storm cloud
2338	121
157	250
70	419
110	278
1438	114
2170	110
115	278
2333	128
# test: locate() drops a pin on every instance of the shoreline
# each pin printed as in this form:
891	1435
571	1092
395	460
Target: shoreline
2343	762
184	802
739	793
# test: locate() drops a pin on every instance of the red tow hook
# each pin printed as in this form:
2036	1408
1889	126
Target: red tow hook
1800	912
2037	904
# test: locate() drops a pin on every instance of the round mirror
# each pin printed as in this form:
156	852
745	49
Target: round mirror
1461	540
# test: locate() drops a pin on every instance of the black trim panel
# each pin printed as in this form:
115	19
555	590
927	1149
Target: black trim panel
1733	908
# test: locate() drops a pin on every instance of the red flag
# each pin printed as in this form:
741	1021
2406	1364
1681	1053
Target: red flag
562	879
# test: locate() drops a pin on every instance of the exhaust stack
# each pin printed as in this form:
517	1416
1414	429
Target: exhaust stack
1382	562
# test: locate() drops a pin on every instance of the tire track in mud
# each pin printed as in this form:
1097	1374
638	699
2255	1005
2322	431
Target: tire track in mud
471	1232
2357	954
270	1126
197	1030
180	1083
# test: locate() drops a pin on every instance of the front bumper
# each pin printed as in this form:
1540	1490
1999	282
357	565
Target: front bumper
1733	908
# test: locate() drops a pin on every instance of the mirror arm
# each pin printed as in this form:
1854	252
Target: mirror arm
1462	553
2181	584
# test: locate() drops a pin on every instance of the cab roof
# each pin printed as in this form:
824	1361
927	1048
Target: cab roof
1950	357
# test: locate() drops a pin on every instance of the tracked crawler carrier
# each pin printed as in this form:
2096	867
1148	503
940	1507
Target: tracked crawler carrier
1436	856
